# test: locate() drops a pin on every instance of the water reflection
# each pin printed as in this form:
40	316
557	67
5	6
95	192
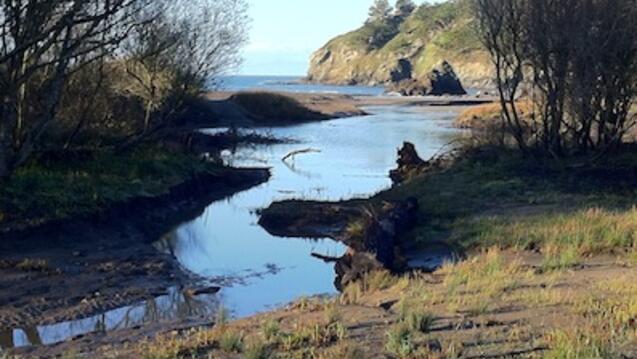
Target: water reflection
176	305
355	157
256	270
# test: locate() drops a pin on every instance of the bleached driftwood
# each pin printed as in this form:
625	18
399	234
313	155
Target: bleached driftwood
298	152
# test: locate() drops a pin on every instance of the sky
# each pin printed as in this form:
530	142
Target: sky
284	33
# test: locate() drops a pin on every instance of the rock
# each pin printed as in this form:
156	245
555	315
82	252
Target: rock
348	58
402	71
444	81
409	164
409	87
440	81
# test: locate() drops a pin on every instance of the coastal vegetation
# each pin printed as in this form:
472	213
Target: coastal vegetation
90	89
535	208
406	43
50	189
538	202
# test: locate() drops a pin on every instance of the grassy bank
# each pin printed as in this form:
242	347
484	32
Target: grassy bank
494	305
488	198
65	187
550	272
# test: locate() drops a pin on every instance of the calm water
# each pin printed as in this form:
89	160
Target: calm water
226	247
355	157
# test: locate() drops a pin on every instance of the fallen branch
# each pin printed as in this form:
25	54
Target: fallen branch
298	152
326	259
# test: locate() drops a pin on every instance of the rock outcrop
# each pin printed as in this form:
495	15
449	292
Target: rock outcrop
442	80
410	87
429	35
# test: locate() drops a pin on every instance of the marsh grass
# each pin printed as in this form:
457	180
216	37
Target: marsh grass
332	312
343	350
270	329
33	265
400	341
557	258
222	316
490	197
315	336
372	282
356	229
231	341
488	272
412	314
488	116
256	350
170	346
579	344
274	108
57	189
563	235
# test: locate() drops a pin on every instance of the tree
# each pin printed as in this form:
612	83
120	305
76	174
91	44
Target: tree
41	43
379	11
51	49
183	47
501	30
577	59
404	8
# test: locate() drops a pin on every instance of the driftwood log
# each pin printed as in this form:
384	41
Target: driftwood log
299	152
378	247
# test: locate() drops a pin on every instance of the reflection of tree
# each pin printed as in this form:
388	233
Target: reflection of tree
33	336
100	324
174	306
6	340
306	174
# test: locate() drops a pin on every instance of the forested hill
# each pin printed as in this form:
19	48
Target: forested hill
390	48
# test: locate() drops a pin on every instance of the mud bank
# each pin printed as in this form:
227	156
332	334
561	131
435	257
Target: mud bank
76	268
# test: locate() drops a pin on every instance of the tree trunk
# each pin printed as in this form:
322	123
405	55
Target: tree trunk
6	145
4	165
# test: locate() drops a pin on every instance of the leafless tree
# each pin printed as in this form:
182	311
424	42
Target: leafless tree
41	42
501	25
183	48
580	59
153	52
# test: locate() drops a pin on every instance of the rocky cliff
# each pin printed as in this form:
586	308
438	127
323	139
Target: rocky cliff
400	48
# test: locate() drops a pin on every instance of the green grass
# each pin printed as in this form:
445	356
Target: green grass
256	351
497	198
400	341
231	342
270	330
64	188
579	345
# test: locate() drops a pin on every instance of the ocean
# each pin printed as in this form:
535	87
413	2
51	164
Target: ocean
292	84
